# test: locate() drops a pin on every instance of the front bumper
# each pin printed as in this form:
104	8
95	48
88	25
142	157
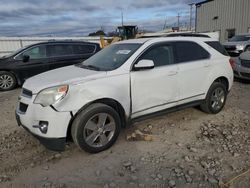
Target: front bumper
241	72
28	115
234	53
55	144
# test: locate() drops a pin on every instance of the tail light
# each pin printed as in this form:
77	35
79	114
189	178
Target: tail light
232	62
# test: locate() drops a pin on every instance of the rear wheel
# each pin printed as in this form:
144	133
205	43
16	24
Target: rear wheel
215	99
7	81
96	128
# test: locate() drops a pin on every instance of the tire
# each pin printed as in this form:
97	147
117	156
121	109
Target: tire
97	119
215	99
7	81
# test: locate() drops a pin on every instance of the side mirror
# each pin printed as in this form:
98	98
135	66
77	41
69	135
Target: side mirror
144	64
26	58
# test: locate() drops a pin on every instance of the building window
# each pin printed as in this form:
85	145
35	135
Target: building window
248	29
230	33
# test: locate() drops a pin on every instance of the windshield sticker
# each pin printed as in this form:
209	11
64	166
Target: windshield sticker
124	52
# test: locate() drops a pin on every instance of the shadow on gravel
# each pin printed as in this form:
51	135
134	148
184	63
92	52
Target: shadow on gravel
242	81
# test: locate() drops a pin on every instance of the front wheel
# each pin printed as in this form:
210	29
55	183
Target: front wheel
215	99
96	128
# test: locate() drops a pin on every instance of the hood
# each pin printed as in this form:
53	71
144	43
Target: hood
66	75
245	56
233	43
3	59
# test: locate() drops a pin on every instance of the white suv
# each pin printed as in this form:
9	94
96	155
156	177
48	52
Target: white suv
91	101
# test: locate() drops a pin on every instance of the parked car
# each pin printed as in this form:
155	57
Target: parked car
123	83
37	58
241	66
238	44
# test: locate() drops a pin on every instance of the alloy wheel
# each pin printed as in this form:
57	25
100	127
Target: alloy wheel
99	130
218	98
6	81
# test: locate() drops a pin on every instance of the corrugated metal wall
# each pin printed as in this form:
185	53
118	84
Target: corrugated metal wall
232	14
11	44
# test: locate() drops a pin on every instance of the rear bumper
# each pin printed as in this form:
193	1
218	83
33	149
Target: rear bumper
55	144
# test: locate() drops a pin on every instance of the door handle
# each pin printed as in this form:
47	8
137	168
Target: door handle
207	64
171	73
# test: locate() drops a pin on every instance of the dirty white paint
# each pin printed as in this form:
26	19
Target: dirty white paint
138	92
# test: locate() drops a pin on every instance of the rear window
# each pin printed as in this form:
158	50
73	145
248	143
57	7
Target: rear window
189	51
217	46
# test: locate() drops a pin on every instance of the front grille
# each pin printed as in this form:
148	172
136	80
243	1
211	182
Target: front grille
233	54
26	93
236	73
247	75
245	63
230	47
23	107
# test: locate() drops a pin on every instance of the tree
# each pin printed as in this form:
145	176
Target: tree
97	33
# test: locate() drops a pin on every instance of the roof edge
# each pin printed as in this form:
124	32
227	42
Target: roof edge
203	2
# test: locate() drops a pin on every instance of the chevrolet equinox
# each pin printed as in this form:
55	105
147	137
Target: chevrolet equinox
90	102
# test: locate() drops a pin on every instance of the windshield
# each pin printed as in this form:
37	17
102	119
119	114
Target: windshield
240	38
111	57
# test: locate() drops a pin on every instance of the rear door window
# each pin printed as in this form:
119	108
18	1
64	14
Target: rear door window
58	50
186	51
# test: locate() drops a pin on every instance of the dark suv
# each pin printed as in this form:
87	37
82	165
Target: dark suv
37	58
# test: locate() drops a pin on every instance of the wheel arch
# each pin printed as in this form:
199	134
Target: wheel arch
108	101
247	46
224	80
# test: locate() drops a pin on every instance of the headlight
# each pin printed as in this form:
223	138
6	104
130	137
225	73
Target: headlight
240	46
51	95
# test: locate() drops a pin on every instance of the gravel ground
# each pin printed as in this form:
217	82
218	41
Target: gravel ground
189	149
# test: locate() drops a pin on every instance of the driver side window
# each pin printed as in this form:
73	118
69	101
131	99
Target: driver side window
161	55
37	52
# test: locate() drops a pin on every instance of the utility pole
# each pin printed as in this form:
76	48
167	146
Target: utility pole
178	22
122	17
191	15
165	24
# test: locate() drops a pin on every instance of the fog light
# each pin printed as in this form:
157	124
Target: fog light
43	126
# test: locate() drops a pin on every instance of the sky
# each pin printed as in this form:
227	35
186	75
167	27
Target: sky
81	17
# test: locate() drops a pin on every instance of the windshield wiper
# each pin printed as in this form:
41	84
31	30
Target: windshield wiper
91	67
